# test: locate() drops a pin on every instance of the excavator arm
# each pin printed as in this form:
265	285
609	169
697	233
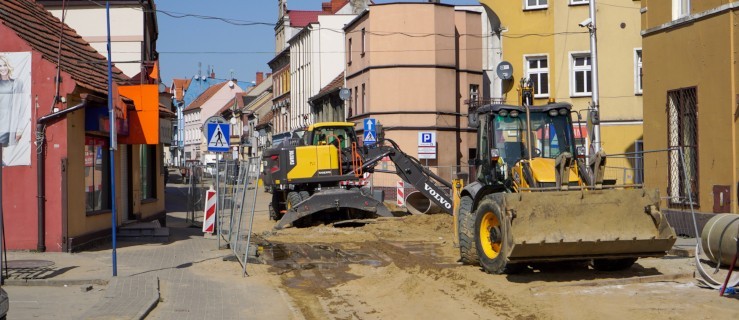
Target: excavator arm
411	171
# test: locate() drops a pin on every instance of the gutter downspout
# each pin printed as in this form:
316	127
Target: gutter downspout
41	124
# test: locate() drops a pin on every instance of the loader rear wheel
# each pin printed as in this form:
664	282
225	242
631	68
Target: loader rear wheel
466	225
493	239
293	198
613	264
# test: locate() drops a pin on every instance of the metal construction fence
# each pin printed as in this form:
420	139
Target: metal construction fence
237	185
198	180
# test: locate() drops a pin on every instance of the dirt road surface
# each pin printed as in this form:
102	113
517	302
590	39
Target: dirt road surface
406	268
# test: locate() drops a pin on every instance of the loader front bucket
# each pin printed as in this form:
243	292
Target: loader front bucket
586	224
334	200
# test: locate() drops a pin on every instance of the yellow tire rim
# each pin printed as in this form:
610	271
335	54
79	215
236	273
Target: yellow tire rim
489	222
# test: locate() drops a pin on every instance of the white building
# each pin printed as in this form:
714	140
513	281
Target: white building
132	26
317	56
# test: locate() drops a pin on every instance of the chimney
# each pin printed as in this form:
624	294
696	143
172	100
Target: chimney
260	78
212	73
326	6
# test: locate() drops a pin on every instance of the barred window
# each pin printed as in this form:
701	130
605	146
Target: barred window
682	119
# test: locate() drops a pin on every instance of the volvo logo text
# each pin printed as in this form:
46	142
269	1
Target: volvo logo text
437	196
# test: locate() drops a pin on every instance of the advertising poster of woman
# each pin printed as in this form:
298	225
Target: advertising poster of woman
15	108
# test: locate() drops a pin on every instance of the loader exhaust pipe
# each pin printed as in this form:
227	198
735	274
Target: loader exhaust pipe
417	203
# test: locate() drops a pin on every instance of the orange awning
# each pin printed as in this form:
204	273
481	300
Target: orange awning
144	121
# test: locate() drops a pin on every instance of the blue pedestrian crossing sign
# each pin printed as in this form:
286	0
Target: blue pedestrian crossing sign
370	131
218	137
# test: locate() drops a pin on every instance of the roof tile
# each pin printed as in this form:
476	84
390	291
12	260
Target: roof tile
302	18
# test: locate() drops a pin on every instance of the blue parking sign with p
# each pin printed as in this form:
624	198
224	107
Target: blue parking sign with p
426	137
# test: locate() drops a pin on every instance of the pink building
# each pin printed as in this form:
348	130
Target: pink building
411	66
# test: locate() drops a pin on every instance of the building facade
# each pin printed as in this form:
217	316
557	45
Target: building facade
208	104
133	28
69	166
691	107
543	41
394	77
316	58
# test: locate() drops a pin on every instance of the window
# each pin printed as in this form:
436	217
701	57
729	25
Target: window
148	170
356	101
637	72
349	52
581	77
683	133
576	2
535	4
474	92
537	69
364	99
680	8
364	40
97	175
351	102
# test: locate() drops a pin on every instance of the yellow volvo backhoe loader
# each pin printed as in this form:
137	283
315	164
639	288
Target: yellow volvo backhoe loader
535	200
532	199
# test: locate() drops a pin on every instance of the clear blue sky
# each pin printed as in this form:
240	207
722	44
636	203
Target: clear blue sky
183	42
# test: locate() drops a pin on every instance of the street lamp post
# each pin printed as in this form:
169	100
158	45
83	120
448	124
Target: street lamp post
595	116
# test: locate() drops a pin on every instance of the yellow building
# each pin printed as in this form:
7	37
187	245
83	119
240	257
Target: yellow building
690	86
543	41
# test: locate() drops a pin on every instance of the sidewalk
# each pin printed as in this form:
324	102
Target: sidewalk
185	278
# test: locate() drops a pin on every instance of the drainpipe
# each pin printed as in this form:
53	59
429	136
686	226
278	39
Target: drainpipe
41	125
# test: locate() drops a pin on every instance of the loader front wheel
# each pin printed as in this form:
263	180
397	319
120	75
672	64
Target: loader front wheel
493	239
613	264
466	225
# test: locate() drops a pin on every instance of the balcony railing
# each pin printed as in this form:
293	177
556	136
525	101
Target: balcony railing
473	104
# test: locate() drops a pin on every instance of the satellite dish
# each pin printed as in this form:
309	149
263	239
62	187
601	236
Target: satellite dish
345	94
504	70
231	84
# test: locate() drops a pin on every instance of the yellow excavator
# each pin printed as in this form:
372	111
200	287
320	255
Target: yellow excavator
534	197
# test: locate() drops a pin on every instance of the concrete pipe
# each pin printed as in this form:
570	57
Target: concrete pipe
718	238
417	203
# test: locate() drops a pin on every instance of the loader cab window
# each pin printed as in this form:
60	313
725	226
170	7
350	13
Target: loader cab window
484	142
552	135
510	139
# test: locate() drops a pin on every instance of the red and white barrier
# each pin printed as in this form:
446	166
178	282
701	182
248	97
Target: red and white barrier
210	211
401	194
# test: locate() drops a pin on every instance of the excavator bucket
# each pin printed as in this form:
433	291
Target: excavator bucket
586	224
334	200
